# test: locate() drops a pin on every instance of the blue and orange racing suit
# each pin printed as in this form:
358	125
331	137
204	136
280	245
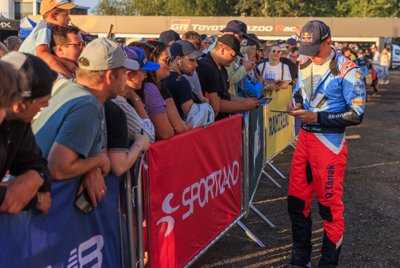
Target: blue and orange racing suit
319	159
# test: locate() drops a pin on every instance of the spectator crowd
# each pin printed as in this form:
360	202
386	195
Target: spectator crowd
76	111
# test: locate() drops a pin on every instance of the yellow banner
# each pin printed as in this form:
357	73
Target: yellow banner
279	127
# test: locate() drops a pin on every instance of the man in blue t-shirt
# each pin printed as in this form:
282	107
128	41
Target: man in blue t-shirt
71	131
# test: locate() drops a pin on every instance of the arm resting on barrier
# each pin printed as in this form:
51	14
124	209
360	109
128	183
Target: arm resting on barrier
122	161
20	192
179	126
64	163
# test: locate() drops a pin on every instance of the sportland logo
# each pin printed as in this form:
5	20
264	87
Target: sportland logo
200	193
87	252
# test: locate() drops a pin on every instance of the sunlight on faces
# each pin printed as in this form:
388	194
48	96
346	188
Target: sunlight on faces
323	52
117	82
275	53
135	79
73	49
60	18
2	114
26	110
165	62
228	55
188	65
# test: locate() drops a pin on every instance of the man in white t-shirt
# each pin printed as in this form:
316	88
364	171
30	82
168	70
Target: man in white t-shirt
276	74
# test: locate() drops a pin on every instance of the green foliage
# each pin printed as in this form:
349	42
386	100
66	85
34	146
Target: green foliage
254	8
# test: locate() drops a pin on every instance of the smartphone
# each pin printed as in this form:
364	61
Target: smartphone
278	111
83	202
264	101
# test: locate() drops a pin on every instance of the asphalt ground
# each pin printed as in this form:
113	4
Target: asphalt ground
371	199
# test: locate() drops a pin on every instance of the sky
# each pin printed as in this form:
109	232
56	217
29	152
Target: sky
87	3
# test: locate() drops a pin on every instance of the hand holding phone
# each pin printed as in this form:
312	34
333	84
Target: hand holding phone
264	101
83	202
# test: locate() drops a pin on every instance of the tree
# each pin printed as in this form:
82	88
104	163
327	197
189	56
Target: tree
107	7
369	8
266	8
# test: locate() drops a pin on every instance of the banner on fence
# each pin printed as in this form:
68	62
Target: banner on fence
256	148
66	237
278	126
195	190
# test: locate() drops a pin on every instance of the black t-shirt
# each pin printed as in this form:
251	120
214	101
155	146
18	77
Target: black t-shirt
180	89
165	92
213	79
117	128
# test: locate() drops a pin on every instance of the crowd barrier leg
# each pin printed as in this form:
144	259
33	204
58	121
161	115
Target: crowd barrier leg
276	170
129	219
250	234
271	179
262	216
138	197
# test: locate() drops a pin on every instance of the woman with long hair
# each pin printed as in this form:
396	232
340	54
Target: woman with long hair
158	52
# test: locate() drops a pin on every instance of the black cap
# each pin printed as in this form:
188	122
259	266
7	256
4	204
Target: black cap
231	42
168	36
312	35
184	48
38	74
237	27
253	40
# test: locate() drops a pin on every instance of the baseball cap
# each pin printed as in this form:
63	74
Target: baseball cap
237	27
37	73
168	36
105	54
12	41
231	42
184	48
47	5
137	54
291	42
312	35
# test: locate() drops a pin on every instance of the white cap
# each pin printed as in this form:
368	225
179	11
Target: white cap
105	54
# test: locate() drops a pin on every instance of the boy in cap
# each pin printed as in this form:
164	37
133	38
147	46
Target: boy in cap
21	156
214	78
40	41
71	131
329	95
236	72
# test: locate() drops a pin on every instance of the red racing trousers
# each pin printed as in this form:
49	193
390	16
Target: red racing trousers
316	169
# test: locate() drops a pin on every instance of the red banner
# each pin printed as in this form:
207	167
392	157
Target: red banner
195	190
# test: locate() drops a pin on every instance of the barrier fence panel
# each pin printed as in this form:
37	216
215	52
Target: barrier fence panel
256	149
195	191
66	237
278	126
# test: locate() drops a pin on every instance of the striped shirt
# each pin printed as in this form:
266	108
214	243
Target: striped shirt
134	121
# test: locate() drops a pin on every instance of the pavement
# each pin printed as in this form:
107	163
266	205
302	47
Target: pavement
371	199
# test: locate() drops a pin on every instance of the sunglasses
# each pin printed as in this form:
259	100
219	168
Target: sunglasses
168	60
276	51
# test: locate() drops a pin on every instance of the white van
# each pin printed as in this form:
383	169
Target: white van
395	56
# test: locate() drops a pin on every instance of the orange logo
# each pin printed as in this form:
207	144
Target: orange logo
358	75
358	102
